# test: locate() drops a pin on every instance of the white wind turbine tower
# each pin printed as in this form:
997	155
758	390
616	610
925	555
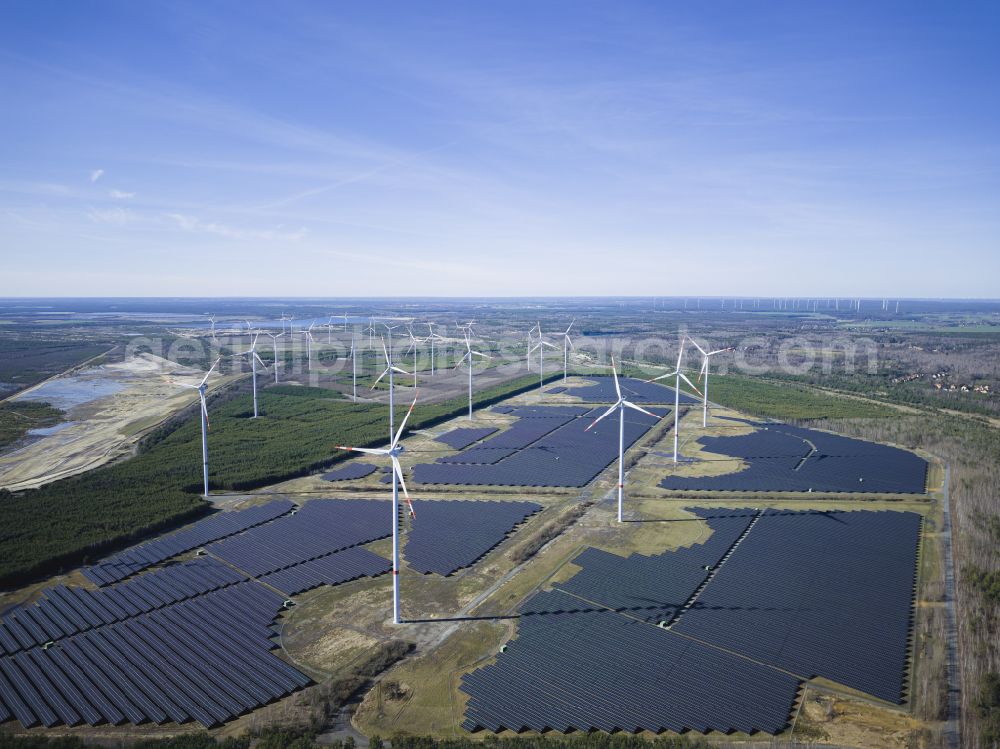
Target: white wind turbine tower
389	370
307	334
528	346
393	452
329	329
201	387
212	319
414	342
431	336
678	375
567	345
274	342
254	358
706	355
620	405
469	353
541	356
354	366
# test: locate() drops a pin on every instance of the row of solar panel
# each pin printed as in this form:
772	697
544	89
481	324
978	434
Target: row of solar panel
63	611
353	470
334	569
637	391
459	439
447	536
838	601
197	534
787	458
597	670
205	659
568	456
319	527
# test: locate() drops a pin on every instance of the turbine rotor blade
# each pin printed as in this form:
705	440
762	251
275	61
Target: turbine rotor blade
368	450
684	377
640	409
399	474
610	411
403	423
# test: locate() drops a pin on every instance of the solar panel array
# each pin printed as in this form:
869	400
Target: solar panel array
556	390
353	470
637	391
654	588
205	659
573	667
449	535
63	611
547	446
459	439
318	528
806	593
782	458
220	525
333	569
818	594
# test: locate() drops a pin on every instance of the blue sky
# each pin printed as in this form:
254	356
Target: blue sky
528	148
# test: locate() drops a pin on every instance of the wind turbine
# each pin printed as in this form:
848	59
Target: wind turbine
469	353
389	369
254	358
393	452
541	356
678	375
307	334
567	345
212	318
329	330
274	342
201	387
620	405
529	348
704	372
431	335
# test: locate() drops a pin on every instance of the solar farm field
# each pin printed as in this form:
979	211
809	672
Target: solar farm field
185	640
546	446
781	457
691	639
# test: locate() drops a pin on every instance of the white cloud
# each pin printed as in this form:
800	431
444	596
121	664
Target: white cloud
194	224
96	175
117	216
120	195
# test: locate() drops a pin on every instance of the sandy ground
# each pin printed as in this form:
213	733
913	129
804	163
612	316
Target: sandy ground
105	427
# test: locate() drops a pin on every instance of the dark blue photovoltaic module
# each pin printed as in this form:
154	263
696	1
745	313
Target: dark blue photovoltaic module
220	525
771	599
547	446
780	457
353	470
459	439
449	535
318	528
637	391
205	658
